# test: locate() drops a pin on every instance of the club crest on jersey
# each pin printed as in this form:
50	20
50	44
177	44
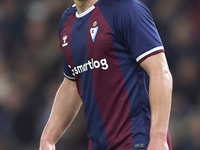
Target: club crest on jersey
93	31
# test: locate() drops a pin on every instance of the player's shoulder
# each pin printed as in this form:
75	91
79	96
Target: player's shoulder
124	7
69	11
131	5
131	8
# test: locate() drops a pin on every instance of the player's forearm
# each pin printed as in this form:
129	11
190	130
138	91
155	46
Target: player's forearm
160	91
66	106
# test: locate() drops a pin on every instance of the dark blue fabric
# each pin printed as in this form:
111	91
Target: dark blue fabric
133	33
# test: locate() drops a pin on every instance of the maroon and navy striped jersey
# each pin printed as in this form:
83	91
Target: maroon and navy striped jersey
102	51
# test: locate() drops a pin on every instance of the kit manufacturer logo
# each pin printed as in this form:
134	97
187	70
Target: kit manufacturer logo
65	43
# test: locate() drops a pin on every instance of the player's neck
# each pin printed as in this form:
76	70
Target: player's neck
83	5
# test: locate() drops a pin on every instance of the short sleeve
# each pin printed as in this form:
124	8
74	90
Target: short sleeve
138	31
67	70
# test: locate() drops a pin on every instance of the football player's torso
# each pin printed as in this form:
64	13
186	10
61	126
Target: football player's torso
106	75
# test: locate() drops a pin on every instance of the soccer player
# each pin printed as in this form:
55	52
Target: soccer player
114	63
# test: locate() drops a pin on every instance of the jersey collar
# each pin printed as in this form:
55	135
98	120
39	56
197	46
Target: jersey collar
85	12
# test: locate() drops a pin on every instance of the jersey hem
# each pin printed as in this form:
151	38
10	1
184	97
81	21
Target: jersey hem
149	53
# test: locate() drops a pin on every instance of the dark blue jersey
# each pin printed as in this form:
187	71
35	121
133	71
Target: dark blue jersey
103	48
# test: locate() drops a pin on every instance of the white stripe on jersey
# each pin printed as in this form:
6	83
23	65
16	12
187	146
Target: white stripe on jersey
149	52
71	78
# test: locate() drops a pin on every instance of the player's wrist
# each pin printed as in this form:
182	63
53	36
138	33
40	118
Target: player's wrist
46	145
45	140
157	133
157	144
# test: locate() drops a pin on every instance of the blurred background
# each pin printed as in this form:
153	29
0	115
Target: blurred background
31	71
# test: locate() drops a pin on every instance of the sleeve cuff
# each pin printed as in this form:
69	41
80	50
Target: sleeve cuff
70	78
149	53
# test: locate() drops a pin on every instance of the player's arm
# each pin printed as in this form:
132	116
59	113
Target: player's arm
160	91
66	106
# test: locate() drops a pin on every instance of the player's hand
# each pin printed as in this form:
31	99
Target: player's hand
157	144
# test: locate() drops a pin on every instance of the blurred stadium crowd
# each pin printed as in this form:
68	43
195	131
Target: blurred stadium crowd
31	71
